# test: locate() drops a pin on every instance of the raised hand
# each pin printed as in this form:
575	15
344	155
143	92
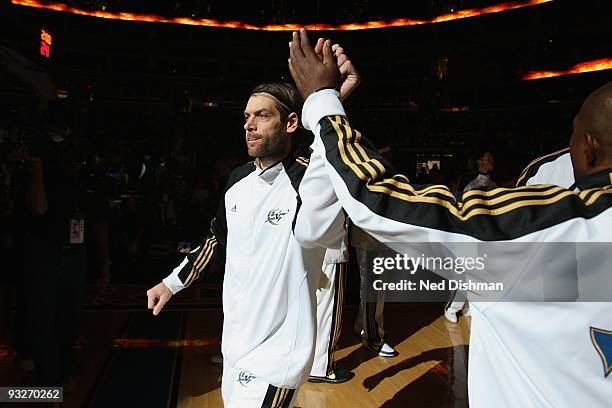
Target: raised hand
349	74
350	77
310	72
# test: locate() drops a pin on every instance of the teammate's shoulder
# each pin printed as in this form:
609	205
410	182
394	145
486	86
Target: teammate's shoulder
535	165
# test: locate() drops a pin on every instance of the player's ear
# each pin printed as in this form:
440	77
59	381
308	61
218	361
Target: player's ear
293	122
593	150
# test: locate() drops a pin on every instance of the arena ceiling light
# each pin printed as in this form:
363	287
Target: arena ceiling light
400	22
581	68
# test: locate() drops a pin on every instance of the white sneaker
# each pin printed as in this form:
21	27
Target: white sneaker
387	351
450	315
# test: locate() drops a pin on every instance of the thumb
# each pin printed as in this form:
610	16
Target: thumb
150	299
328	54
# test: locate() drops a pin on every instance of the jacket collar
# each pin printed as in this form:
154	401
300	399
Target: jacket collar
602	178
271	173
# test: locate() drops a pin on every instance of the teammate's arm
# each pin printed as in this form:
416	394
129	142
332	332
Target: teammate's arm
383	202
321	220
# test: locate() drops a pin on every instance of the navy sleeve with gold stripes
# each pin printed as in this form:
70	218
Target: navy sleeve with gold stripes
202	257
383	202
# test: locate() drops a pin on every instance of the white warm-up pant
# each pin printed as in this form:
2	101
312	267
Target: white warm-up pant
241	389
330	297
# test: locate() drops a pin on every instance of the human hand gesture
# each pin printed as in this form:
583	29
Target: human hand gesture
157	297
309	71
350	77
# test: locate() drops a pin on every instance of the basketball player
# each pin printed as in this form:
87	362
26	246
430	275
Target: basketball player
548	355
270	280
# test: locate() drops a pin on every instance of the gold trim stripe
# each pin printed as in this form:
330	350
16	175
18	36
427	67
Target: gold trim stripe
213	241
354	148
507	197
439	189
535	161
596	196
531	198
498	190
275	397
202	259
353	154
345	159
281	393
339	301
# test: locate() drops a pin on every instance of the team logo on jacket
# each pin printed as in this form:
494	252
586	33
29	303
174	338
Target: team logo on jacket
602	340
245	377
276	215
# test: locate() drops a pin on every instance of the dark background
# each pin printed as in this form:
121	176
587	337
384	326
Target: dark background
137	92
152	113
135	80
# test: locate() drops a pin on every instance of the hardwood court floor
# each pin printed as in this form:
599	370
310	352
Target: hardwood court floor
430	371
120	351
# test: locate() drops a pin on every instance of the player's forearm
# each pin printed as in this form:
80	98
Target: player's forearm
320	220
366	184
192	266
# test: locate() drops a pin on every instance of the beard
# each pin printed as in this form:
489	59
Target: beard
267	146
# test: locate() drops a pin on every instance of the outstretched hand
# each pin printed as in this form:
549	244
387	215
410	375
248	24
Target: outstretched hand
310	72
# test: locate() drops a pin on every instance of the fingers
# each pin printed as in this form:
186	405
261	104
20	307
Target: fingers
305	43
157	297
295	48
312	69
150	299
295	60
328	55
346	68
340	55
163	299
292	71
299	51
319	48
